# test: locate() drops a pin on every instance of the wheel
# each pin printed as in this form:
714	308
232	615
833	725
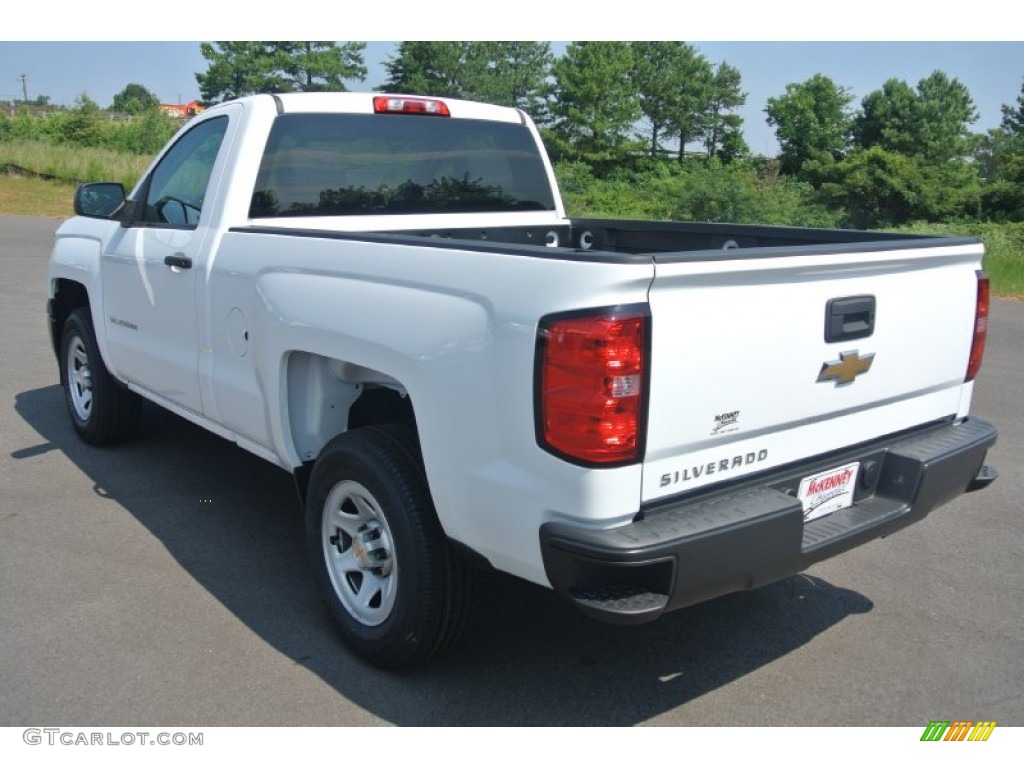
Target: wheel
101	411
397	591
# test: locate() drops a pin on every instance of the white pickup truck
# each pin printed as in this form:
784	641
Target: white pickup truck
383	295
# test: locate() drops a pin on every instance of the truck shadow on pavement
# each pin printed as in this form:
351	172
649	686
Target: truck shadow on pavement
527	659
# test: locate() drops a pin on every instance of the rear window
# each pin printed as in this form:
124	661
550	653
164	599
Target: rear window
351	165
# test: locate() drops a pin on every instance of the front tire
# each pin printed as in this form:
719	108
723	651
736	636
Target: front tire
101	411
395	588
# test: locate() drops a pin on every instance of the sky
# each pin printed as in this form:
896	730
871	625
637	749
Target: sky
75	61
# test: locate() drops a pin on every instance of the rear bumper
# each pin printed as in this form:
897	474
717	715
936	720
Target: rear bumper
748	535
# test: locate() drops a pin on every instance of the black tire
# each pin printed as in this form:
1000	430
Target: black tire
102	412
395	588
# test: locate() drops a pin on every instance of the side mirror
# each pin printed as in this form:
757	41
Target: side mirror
100	200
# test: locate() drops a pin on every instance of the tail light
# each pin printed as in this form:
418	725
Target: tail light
592	378
406	106
980	328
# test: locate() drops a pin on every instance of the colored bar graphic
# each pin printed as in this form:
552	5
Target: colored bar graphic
982	731
935	730
958	730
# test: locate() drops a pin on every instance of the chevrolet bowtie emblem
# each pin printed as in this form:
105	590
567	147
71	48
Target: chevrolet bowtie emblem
848	367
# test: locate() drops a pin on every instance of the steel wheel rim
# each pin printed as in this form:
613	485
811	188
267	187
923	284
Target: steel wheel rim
79	378
359	553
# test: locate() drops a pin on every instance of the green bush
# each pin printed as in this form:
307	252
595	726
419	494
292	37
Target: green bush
77	126
1003	201
880	188
694	191
85	126
586	195
742	194
146	134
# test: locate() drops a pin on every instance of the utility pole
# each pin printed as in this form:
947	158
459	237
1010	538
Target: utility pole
24	87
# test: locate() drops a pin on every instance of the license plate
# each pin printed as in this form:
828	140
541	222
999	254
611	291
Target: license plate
828	492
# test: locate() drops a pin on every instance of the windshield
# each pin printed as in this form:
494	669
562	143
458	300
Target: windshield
350	165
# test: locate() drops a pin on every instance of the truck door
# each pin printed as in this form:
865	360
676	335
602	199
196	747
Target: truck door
150	270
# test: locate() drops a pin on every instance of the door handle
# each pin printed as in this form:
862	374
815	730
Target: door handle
849	318
179	260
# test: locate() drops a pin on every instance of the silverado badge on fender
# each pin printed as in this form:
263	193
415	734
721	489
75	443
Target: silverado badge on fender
848	367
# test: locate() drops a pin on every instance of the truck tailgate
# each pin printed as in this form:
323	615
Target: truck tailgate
743	378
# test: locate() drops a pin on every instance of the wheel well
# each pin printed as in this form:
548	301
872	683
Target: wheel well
327	409
379	405
67	297
327	397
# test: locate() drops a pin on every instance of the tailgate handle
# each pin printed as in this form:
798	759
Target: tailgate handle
852	317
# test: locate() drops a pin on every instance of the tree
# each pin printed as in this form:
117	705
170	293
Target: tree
594	104
509	73
86	104
427	67
945	113
722	131
134	99
673	84
320	65
931	122
514	74
239	68
811	120
1000	156
887	119
730	142
1013	116
1000	152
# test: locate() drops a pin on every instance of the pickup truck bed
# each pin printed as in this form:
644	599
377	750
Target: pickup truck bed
597	239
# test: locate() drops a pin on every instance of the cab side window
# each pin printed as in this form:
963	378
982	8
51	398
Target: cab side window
177	189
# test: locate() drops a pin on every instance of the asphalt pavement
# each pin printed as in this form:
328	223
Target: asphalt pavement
164	581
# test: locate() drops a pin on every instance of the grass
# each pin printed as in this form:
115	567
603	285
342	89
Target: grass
1004	250
35	197
74	164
